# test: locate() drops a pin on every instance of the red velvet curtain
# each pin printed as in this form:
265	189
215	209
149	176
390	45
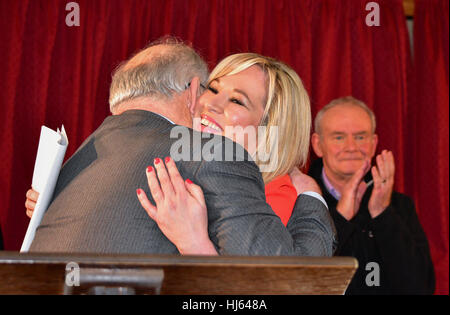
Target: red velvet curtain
53	74
428	133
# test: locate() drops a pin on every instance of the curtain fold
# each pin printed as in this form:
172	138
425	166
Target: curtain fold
53	74
429	128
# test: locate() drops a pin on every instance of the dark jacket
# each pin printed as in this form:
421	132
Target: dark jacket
394	240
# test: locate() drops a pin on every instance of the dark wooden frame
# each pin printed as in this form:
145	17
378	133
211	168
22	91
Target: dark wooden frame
45	273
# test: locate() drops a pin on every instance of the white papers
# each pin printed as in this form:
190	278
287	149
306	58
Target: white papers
50	155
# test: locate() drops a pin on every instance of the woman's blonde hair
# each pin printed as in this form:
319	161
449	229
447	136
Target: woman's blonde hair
287	107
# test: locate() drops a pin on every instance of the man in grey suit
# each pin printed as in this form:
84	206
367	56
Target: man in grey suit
95	208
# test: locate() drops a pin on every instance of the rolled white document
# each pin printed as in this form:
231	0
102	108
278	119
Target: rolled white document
50	155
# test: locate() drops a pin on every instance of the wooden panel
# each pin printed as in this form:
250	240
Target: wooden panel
45	274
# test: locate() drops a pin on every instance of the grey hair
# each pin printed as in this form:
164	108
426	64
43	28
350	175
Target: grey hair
340	101
163	76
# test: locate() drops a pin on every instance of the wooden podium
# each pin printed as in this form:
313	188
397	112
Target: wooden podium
164	274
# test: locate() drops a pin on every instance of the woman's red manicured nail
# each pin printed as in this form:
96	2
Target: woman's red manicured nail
157	160
149	169
138	191
188	181
167	159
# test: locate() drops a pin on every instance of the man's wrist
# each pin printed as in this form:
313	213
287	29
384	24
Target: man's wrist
315	195
374	213
347	215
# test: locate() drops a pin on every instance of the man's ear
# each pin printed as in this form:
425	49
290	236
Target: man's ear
193	93
315	142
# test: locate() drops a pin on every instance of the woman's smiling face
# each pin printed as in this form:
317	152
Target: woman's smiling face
233	100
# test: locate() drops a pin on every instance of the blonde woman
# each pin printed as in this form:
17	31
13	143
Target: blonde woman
244	90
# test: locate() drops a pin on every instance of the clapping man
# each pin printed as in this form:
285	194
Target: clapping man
375	224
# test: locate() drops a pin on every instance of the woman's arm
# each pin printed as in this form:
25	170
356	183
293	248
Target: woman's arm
180	210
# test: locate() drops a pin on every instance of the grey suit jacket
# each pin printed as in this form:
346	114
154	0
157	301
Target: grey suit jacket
95	208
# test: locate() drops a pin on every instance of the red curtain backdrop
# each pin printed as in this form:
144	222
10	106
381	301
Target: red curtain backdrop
429	128
53	74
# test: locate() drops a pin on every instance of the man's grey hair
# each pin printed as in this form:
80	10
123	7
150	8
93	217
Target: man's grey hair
162	76
340	101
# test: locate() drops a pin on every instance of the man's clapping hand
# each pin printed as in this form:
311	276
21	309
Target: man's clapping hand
352	193
383	183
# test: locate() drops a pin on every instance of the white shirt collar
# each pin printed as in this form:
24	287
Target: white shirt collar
165	118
